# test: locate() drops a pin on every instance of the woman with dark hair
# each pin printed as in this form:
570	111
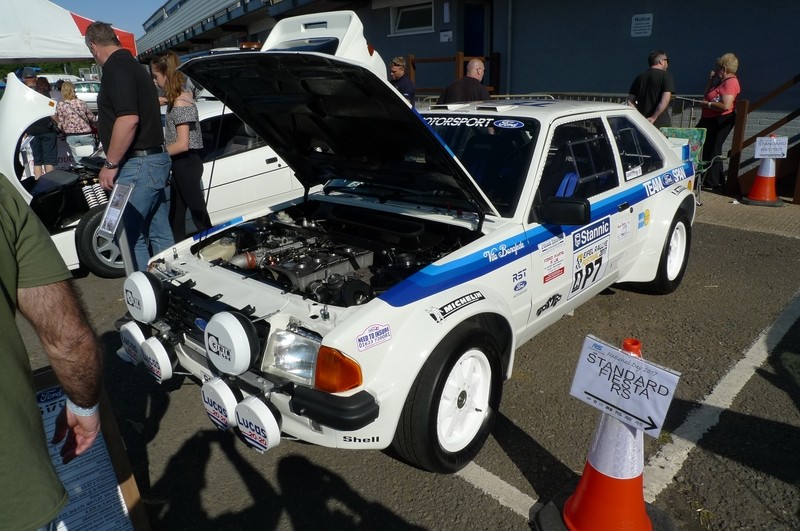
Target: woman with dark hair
719	116
184	142
45	137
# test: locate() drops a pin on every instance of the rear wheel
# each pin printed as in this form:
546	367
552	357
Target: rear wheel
451	407
674	256
98	253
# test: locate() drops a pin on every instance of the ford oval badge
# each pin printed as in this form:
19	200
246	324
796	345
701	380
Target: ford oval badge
520	285
508	124
201	324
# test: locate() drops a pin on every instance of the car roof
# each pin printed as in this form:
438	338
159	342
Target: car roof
544	110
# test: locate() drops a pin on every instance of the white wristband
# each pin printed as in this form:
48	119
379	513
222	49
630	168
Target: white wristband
82	411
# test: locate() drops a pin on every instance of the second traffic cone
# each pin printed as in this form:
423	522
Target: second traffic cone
763	190
610	494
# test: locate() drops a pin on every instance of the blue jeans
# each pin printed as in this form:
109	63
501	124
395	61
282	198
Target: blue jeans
146	218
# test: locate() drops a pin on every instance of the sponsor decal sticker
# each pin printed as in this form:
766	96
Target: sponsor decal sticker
443	312
644	219
458	121
665	180
551	302
504	250
624	229
590	255
508	124
373	335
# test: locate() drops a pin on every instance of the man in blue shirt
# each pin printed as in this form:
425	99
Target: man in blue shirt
399	79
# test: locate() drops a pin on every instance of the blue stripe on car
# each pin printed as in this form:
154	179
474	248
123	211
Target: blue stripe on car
436	278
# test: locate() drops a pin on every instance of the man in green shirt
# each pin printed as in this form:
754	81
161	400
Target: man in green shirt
33	279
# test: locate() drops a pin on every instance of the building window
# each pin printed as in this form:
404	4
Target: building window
413	18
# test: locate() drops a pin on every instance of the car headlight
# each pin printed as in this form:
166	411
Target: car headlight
292	355
303	359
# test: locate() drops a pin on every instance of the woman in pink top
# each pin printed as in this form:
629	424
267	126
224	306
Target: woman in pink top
75	120
719	115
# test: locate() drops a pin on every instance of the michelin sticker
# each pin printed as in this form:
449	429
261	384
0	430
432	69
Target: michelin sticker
373	335
443	312
590	255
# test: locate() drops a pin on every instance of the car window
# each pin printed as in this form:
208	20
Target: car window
636	151
495	152
580	162
226	135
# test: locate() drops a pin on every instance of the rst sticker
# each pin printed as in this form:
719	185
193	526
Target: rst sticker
590	255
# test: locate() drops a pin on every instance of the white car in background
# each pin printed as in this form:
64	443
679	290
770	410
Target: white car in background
240	171
384	306
87	91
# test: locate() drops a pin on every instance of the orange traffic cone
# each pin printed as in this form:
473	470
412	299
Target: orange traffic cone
763	190
610	494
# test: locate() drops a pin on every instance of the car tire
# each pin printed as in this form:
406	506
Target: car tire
452	405
96	252
674	255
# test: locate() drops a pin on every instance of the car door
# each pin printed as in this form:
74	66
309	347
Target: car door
240	171
640	161
573	263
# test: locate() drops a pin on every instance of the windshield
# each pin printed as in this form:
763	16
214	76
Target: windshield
495	151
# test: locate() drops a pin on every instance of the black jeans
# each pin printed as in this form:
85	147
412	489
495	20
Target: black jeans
186	193
717	130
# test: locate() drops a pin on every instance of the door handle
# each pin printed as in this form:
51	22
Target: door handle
623	206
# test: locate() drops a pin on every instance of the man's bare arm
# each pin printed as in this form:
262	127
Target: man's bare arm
69	342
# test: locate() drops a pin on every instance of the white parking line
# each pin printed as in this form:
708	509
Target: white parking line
507	495
662	467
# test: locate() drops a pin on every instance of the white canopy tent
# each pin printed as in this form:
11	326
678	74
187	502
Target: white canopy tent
42	31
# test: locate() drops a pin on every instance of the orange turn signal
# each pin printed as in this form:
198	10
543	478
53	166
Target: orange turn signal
336	372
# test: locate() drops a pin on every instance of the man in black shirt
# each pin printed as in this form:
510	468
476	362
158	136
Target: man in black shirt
129	127
651	91
469	87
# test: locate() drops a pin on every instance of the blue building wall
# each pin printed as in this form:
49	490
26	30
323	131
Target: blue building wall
586	46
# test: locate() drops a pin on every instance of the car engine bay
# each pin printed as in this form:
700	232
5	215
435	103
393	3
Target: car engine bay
332	253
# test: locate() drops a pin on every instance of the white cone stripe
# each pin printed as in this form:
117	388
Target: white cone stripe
617	450
766	168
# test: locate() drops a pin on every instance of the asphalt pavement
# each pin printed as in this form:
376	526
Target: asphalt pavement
727	458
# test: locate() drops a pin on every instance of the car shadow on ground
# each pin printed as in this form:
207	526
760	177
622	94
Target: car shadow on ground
312	496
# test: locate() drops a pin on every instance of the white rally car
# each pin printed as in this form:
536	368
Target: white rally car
384	307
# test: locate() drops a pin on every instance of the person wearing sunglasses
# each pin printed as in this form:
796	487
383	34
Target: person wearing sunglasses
651	91
400	80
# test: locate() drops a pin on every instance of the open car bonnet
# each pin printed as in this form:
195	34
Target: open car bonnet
332	118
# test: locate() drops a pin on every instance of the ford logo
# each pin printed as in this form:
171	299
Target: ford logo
522	284
508	124
201	324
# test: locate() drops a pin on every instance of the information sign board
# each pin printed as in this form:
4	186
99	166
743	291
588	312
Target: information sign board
628	388
771	147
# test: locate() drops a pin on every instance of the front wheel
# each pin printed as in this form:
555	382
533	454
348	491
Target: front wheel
451	407
98	253
674	256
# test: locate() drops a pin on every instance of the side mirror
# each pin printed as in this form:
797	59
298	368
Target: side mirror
566	211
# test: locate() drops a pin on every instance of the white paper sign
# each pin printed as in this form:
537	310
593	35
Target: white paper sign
771	147
113	214
628	388
642	25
